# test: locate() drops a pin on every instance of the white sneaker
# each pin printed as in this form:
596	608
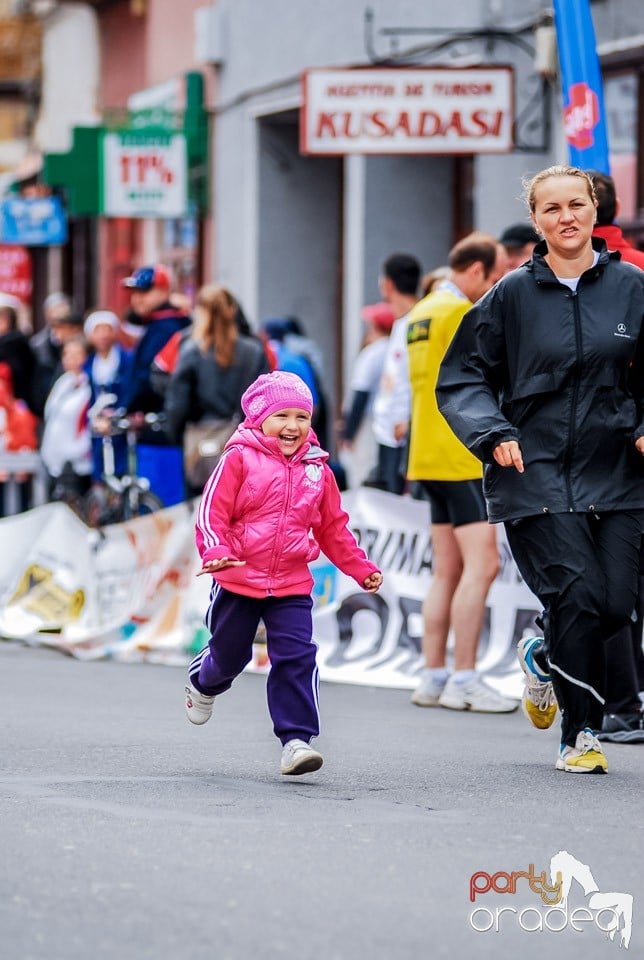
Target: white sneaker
428	691
198	705
298	757
475	695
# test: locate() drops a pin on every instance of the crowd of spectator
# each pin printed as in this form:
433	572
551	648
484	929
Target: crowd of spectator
64	388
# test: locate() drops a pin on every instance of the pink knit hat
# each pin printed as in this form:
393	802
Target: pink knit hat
275	391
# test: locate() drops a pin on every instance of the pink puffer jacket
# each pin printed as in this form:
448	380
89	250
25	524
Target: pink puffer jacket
276	513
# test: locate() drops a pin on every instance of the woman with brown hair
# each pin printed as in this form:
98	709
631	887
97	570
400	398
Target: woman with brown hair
216	365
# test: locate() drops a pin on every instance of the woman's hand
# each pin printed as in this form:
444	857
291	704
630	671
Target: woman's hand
213	565
373	582
639	445
508	454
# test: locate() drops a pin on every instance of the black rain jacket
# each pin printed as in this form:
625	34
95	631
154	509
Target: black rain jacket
563	374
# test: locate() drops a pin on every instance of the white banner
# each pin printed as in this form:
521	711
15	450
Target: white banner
131	592
407	110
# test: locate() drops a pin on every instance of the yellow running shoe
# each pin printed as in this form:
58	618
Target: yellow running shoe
539	702
585	757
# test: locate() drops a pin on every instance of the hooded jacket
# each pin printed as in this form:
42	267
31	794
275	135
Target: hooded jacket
560	372
277	513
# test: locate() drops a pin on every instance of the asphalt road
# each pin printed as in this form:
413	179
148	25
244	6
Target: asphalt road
125	832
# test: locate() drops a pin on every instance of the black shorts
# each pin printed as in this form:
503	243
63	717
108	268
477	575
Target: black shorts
455	501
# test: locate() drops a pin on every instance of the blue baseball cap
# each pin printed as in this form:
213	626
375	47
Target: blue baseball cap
147	277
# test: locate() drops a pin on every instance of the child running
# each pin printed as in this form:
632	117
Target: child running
270	506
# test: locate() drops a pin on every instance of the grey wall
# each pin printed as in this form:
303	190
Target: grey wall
269	39
299	248
408	210
498	190
279	223
233	179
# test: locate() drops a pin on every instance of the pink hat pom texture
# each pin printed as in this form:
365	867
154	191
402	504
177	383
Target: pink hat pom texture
275	391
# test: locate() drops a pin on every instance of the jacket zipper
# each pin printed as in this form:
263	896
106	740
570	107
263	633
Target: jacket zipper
575	399
278	532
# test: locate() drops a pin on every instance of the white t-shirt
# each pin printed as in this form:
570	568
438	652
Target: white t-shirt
105	369
573	282
367	370
392	402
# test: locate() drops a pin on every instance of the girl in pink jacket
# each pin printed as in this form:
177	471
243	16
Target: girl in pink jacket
270	506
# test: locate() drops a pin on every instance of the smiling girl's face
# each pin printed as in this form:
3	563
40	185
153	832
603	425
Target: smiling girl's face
291	427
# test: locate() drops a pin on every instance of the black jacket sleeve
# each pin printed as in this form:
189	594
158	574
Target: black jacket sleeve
636	385
179	405
355	414
471	378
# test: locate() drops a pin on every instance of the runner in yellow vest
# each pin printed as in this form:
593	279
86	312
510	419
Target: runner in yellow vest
464	552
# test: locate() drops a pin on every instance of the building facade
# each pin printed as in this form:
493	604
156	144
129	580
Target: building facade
292	226
306	235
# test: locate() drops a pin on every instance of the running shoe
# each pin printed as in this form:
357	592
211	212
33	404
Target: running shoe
474	695
198	705
298	757
428	691
585	757
622	728
539	702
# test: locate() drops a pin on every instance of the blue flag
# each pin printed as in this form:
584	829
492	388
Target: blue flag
581	82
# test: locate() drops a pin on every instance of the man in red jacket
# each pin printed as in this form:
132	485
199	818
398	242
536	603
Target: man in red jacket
607	213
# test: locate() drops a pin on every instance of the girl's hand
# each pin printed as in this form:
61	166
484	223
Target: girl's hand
213	565
373	582
639	445
508	454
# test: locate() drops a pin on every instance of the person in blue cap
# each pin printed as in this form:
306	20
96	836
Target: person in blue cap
151	308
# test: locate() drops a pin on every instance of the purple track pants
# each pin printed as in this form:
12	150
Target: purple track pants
293	685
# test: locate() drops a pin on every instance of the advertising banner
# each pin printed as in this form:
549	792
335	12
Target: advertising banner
404	110
131	592
37	222
581	84
144	174
15	271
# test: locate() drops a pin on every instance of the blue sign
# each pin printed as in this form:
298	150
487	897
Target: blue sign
38	222
581	84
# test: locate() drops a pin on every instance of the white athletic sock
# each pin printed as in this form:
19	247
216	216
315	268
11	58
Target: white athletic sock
462	676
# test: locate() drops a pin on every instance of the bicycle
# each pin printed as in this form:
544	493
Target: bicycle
120	498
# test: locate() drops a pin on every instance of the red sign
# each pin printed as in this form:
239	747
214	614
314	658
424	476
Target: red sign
15	272
581	116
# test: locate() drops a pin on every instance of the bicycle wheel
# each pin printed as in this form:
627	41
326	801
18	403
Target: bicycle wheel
101	508
141	504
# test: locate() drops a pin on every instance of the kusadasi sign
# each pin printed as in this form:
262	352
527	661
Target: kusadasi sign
394	111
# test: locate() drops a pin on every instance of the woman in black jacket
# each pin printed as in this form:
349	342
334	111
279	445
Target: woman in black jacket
544	382
216	364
